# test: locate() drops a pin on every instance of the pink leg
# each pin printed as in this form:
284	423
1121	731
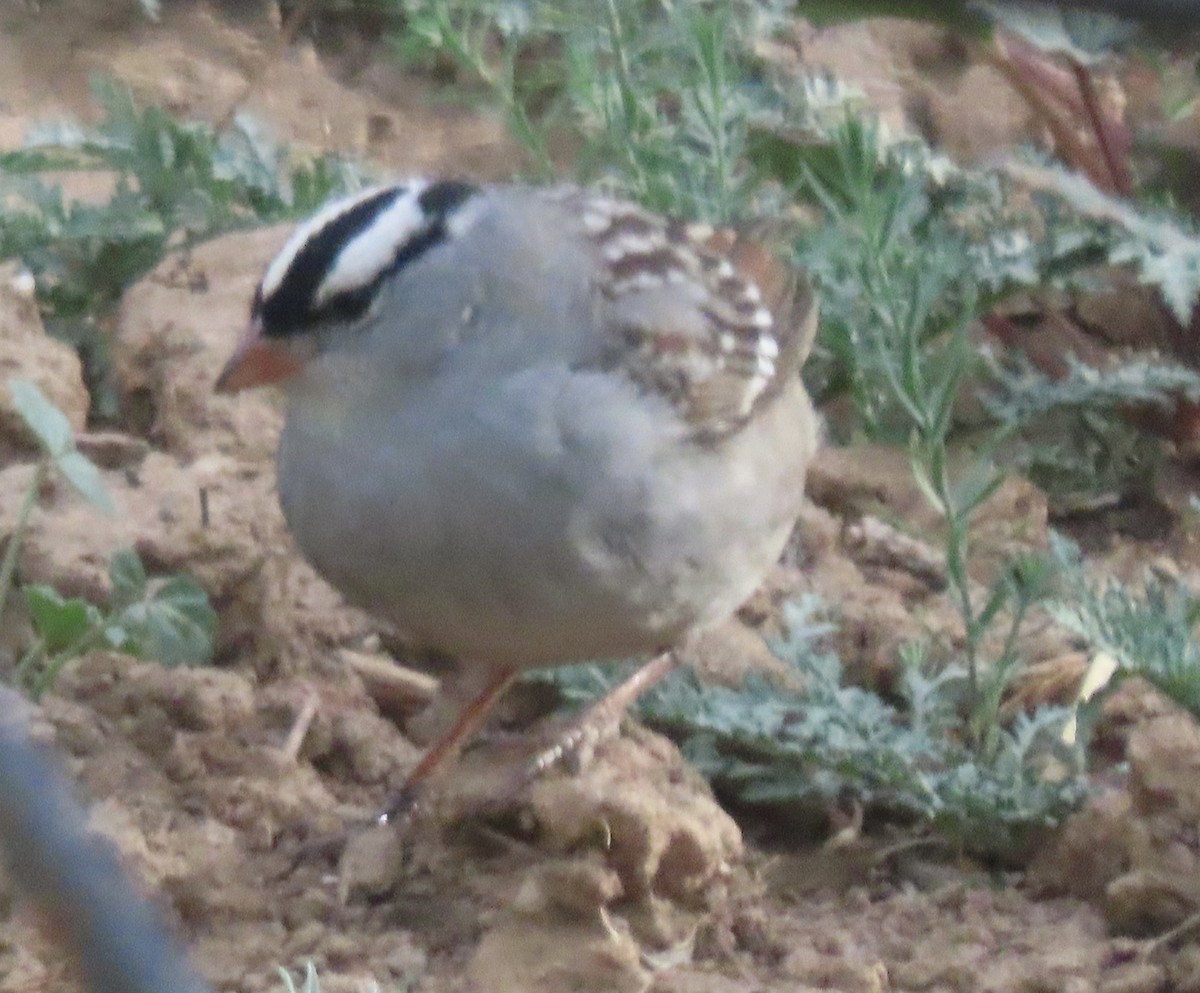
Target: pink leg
445	750
598	721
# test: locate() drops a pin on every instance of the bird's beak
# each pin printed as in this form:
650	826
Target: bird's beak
258	361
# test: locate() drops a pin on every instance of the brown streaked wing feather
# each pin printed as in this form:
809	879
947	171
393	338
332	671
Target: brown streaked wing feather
712	322
786	290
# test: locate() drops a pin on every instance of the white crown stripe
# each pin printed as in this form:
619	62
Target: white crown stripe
768	347
282	262
714	366
374	248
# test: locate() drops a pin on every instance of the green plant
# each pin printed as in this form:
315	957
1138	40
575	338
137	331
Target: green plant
1151	633
168	620
655	99
173	185
1162	246
1069	434
484	42
57	441
905	285
829	743
967	240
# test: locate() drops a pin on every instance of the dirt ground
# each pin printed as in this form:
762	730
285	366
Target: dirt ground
628	876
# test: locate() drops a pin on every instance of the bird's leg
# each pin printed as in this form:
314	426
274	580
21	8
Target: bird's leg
576	743
440	754
446	749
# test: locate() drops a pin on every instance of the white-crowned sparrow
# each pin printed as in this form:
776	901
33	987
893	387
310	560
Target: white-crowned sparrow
528	426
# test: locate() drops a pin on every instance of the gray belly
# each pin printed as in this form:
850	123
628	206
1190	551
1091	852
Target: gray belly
559	522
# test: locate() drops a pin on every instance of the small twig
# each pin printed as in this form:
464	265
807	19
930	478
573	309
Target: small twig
849	827
1102	127
909	844
291	747
295	739
511	845
1186	926
1029	73
396	689
873	542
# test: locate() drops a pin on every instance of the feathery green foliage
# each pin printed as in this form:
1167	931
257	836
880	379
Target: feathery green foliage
817	748
1149	633
173	185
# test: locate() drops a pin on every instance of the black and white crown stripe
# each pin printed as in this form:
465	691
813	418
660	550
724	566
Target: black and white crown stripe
331	265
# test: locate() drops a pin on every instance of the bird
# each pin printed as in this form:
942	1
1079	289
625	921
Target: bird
532	426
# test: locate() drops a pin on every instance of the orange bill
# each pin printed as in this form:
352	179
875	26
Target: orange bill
257	361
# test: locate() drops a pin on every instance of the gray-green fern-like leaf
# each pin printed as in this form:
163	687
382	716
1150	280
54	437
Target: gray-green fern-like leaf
1163	249
1150	633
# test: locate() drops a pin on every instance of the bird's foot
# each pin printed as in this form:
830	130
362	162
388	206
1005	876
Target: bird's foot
573	743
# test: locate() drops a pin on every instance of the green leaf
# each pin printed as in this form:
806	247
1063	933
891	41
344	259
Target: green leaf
127	577
1087	37
85	477
998	597
45	420
1149	631
925	483
118	639
1165	248
52	136
174	626
58	621
977	485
